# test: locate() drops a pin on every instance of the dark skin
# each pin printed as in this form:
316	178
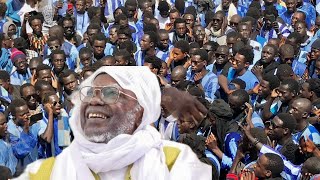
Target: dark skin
3	126
29	95
278	132
300	110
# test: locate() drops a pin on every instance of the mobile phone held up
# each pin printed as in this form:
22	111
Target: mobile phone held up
36	117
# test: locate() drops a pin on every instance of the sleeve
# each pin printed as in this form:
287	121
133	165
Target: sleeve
22	145
226	162
257	121
42	127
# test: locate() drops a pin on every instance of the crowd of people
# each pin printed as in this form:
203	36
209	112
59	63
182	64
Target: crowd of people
254	65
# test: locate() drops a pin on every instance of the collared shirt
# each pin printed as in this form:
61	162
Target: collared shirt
20	79
7	157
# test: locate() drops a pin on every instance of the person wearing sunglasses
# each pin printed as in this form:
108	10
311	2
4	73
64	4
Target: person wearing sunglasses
111	120
28	93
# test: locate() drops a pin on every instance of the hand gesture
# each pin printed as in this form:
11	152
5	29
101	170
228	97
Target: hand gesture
211	142
275	26
171	54
33	78
249	109
257	70
48	108
306	146
306	176
198	77
255	90
248	175
55	82
26	17
163	80
259	24
274	93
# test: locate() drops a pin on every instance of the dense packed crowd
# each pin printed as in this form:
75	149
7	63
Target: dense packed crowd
254	64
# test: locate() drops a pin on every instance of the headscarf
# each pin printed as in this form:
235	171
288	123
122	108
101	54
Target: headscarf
143	149
6	27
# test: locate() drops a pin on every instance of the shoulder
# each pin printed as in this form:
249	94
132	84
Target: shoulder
32	168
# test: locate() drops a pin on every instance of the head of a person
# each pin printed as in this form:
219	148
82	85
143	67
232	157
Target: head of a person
270	16
28	93
288	90
225	4
173	15
245	30
42	87
268	165
5	172
297	16
189	19
36	22
237	100
92	29
268	83
164	9
68	26
89	4
269	52
120	10
243	59
199	34
211	48
149	41
180	27
153	63
300	109
274	41
99	44
301	28
295	40
5	79
58	60
222	54
124	35
52	99
19	60
113	34
199	60
3	8
234	21
86	56
217	20
81	6
57	32
164	69
236	84
106	61
311	89
194	46
69	80
282	126
180	50
131	6
54	43
146	6
20	111
232	38
163	39
87	72
3	127
44	72
34	63
317	23
311	166
19	43
315	50
291	5
122	57
284	72
178	75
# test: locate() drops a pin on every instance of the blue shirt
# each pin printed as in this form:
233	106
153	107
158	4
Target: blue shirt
139	57
82	22
310	131
248	77
6	156
286	17
164	55
310	12
298	68
5	61
20	79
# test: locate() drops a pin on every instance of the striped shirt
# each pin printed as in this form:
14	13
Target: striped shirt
139	57
269	34
310	131
164	55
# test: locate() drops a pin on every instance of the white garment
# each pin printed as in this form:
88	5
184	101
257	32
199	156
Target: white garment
232	10
25	9
166	133
143	149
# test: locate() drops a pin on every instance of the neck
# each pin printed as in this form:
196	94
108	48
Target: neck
98	57
301	124
241	72
150	52
284	139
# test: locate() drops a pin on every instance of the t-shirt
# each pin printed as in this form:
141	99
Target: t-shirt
248	77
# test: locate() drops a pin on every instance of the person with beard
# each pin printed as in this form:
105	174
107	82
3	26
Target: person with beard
286	56
148	44
267	84
12	90
82	20
28	93
199	34
215	29
300	109
53	128
99	41
267	63
132	8
58	62
69	30
22	134
233	23
245	30
282	126
69	80
287	92
22	73
190	21
37	40
164	46
180	31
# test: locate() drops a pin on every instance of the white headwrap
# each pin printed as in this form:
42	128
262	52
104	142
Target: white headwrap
143	149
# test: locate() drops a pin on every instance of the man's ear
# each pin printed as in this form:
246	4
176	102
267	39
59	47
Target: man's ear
192	125
246	64
286	131
152	44
268	173
305	115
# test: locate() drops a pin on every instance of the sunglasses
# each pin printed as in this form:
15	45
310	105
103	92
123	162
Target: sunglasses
29	97
55	103
109	94
222	55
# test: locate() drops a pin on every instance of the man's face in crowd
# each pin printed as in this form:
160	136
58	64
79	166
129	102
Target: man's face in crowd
239	62
181	29
33	64
245	31
122	38
53	45
131	11
5	83
98	47
91	33
217	21
45	75
305	92
80	6
291	5
235	104
317	68
44	90
164	69
296	17
264	89
268	20
29	95
222	55
56	104
113	35
152	69
234	21
314	54
164	40
146	43
68	28
109	61
267	55
164	14
12	30
104	117
276	130
301	29
177	78
317	24
22	115
121	61
231	41
36	26
147	7
199	33
88	4
225	4
189	18
70	83
286	57
86	59
173	17
3	125
185	124
260	167
285	94
155	22
296	109
58	62
178	55
197	64
21	65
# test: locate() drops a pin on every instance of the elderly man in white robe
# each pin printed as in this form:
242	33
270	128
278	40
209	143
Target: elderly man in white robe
114	138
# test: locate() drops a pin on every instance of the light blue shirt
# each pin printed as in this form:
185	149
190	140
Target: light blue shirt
6	156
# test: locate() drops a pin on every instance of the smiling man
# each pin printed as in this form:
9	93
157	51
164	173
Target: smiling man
113	137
